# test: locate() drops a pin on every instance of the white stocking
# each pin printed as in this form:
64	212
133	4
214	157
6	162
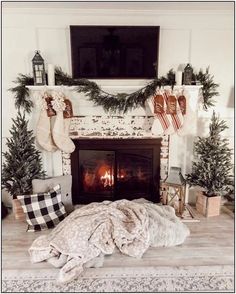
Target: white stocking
43	132
61	126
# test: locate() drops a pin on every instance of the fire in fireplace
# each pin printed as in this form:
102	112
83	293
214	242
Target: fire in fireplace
111	169
96	171
108	179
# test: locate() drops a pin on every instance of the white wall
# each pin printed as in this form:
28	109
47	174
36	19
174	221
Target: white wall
201	37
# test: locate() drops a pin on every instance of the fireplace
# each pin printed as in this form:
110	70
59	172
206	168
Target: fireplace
112	169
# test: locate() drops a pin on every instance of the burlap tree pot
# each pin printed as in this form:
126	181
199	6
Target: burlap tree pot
18	210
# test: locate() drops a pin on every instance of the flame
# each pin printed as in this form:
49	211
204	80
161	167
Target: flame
107	179
121	173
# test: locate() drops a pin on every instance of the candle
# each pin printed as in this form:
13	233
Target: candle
51	75
178	78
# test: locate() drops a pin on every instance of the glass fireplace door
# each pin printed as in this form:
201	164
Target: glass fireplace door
134	173
97	173
112	169
117	174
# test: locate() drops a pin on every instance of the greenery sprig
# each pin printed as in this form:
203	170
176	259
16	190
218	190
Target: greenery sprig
121	102
22	99
209	88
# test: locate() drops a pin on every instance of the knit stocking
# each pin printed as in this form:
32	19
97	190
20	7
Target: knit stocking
188	115
43	130
61	126
173	111
161	122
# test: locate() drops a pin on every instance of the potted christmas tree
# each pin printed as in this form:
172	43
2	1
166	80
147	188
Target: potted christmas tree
22	162
212	169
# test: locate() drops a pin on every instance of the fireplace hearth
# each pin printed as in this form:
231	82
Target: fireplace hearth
112	169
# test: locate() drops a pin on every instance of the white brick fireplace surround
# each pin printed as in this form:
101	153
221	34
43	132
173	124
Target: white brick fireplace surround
91	121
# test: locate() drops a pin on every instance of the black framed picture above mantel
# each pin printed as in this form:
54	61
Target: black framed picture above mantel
121	52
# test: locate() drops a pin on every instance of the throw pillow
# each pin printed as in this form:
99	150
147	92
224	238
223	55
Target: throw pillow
43	210
41	186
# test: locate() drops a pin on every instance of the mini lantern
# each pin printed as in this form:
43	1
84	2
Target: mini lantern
38	69
188	74
173	190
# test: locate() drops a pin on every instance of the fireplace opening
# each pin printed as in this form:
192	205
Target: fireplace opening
109	169
96	171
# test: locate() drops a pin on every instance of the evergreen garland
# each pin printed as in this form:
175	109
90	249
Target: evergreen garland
121	102
208	88
213	167
22	92
22	160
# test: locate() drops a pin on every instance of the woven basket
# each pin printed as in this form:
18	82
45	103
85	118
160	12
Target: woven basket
18	210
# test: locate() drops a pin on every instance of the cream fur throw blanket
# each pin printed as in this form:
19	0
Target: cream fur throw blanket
96	229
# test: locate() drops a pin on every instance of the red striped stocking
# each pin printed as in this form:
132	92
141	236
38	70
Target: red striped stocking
174	111
161	122
187	115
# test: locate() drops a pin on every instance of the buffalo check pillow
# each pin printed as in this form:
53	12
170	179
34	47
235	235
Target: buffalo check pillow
43	210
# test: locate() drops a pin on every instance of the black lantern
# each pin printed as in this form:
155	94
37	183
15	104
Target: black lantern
188	74
38	69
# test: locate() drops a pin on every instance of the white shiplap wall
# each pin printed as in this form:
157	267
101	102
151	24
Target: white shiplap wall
201	37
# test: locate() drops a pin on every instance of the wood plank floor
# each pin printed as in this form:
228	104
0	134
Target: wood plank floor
211	243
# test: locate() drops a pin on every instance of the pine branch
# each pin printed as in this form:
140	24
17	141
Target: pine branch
209	88
62	78
21	92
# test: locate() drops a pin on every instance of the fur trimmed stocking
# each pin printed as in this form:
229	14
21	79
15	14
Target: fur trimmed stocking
61	125
43	129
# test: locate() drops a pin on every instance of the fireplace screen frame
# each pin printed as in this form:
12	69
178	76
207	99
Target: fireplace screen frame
114	145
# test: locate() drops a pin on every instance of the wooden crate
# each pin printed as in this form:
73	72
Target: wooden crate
208	206
18	210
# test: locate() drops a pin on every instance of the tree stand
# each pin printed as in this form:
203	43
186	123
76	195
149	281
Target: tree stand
18	210
208	206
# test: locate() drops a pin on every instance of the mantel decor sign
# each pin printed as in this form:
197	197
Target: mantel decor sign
121	102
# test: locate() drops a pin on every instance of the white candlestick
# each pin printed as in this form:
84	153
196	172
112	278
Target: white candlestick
51	75
178	78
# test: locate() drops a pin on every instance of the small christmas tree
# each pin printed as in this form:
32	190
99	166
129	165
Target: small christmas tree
22	160
212	169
